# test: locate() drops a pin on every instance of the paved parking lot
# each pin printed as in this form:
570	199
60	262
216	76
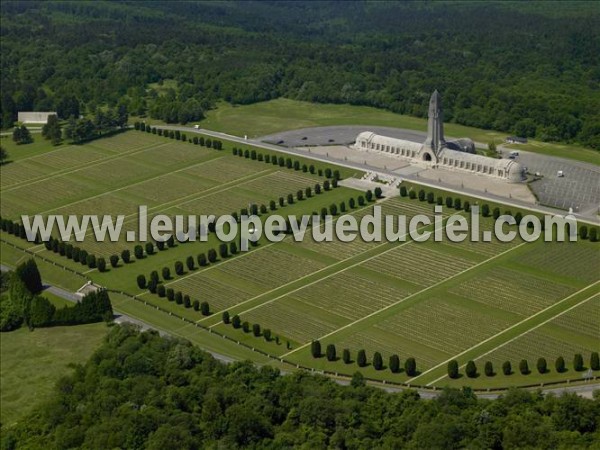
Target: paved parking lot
578	189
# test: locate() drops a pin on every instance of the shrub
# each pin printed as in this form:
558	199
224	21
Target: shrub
149	248
226	319
246	327
236	322
83	255
430	198
196	305
524	367
315	349
489	369
161	290
330	352
594	234
410	367
361	358
138	252
126	256
205	308
403	191
467	206
361	200
378	192
256	330
186	301
346	356
170	294
202	261
559	364
496	213
223	250
394	364
542	366
212	255
583	232
114	260
189	262
594	361
152	285
91	261
485	210
412	194
457	203
506	368
453	369
578	362
449	202
471	369
352	203
369	195
141	281
317	188
101	264
421	195
377	361
178	297
267	334
166	273
281	201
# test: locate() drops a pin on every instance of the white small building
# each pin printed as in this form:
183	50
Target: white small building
35	117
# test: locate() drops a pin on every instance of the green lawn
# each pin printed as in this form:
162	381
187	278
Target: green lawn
33	361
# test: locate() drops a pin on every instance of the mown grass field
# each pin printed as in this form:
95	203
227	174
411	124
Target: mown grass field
283	114
33	361
432	301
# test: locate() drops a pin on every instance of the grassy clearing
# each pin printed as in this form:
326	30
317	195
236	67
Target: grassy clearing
33	361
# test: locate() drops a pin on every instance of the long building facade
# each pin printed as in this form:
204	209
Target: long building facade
436	151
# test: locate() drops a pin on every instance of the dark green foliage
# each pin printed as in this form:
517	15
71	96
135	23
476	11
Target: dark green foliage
138	252
196	305
315	349
346	356
421	195
290	199
394	364
467	206
594	361
453	369
267	334
524	367
352	203
542	365
29	274
578	362
256	330
403	191
485	210
223	250
326	185
152	285
583	232
101	263
83	255
430	198
412	194
204	309
506	368
246	327
179	268
457	203
361	358
186	301
161	290
594	234
202	261
166	273
94	307
559	364
330	352
369	195
471	369
154	276
410	367
333	209
149	248
300	194
125	256
91	261
189	263
41	312
170	294
440	200
377	361
236	322
317	188
179	297
114	260
449	202
489	369
361	200
496	213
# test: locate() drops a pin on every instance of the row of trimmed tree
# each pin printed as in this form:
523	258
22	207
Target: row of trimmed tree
394	364
471	370
179	136
288	163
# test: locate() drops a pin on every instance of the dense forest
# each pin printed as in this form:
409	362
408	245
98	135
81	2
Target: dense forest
140	390
522	68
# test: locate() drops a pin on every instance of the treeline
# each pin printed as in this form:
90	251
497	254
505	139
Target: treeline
471	370
78	130
175	60
458	203
154	392
21	304
179	136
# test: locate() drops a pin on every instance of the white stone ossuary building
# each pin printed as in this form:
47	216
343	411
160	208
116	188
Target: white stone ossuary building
456	155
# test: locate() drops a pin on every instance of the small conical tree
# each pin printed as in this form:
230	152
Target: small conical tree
506	368
489	369
346	356
559	365
471	369
524	367
226	318
315	349
542	366
361	358
394	361
331	352
453	369
594	361
236	322
410	367
377	359
578	362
